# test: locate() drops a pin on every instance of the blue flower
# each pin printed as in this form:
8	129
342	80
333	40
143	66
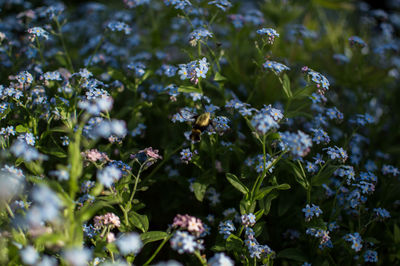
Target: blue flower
77	256
24	77
178	4
183	242
220	259
186	155
29	255
226	228
371	256
298	144
276	67
37	32
341	59
270	33
138	67
200	34
119	26
62	175
129	244
381	213
221	4
320	80
248	219
356	241
311	167
311	211
55	75
356	41
390	169
263	122
337	153
109	175
320	136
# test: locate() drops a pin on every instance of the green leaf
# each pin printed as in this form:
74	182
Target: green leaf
234	180
75	161
140	221
396	232
284	204
112	247
200	189
266	203
50	239
219	77
153	236
88	211
293	254
189	89
246	206
286	86
324	175
274	136
218	248
259	214
304	92
57	153
234	243
298	175
34	167
258	228
21	129
266	190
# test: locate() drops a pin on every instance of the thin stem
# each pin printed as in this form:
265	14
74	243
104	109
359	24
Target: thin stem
201	259
9	210
95	50
136	182
157	250
63	45
40	50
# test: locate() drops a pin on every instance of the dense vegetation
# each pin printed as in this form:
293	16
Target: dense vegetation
189	132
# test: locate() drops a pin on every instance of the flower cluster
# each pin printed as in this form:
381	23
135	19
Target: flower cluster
270	33
298	144
194	70
190	223
226	228
356	241
276	67
108	219
311	211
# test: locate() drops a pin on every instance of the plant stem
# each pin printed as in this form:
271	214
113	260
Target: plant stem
201	259
40	50
95	51
63	45
157	250
9	210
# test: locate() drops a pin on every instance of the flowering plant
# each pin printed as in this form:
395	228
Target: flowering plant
189	132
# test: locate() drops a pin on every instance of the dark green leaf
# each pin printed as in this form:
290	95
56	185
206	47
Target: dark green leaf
293	254
258	228
396	232
200	189
189	89
152	236
234	243
234	180
286	86
266	190
219	77
140	221
266	203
